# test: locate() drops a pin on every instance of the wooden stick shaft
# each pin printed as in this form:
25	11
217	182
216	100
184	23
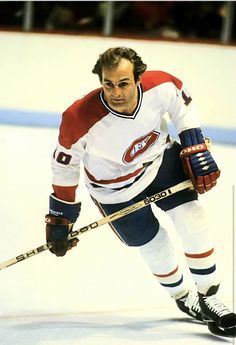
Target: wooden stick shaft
110	218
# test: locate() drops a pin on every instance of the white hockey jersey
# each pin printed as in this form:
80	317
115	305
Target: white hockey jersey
120	153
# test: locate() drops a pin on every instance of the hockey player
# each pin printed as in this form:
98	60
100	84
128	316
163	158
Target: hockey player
118	133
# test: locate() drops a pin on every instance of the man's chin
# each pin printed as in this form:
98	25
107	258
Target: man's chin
117	106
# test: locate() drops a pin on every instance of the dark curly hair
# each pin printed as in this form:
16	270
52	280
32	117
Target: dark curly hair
112	56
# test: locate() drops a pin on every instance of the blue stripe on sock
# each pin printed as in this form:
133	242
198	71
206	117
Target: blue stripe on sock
203	271
173	284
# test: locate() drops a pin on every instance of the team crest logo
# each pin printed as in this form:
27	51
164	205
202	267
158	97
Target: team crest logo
139	146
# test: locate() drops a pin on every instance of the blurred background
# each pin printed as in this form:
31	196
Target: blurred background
175	20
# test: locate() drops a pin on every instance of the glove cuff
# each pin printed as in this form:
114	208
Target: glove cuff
64	209
192	136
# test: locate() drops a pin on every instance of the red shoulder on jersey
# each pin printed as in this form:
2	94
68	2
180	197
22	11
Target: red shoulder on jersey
80	117
151	79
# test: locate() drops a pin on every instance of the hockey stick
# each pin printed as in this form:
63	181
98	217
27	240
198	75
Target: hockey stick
116	215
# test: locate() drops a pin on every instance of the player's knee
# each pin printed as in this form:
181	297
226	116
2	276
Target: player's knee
159	250
192	224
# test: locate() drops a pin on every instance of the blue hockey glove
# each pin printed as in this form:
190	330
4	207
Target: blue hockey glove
198	163
60	220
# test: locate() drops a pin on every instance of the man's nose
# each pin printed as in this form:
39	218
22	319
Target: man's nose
116	91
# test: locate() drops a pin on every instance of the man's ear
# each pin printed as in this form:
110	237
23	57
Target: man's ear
138	82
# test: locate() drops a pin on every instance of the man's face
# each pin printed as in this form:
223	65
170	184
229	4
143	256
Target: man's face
120	89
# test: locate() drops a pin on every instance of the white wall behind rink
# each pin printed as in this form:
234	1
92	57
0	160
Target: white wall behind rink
41	72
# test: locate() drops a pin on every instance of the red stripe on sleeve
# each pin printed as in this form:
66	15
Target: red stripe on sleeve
65	193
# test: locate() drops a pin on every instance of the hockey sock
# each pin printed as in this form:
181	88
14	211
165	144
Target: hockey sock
159	254
192	225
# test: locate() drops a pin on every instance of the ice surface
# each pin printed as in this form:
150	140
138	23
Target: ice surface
101	292
139	327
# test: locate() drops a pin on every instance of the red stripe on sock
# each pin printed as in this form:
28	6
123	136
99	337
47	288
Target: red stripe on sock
201	255
168	274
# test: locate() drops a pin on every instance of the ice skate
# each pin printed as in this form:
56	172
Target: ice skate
220	320
189	304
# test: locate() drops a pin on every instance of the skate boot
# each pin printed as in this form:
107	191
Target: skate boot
189	304
220	320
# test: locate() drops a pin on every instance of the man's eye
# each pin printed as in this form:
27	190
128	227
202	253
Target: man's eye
109	85
123	84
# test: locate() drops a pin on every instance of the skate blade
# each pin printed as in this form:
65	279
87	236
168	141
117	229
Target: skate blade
222	332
